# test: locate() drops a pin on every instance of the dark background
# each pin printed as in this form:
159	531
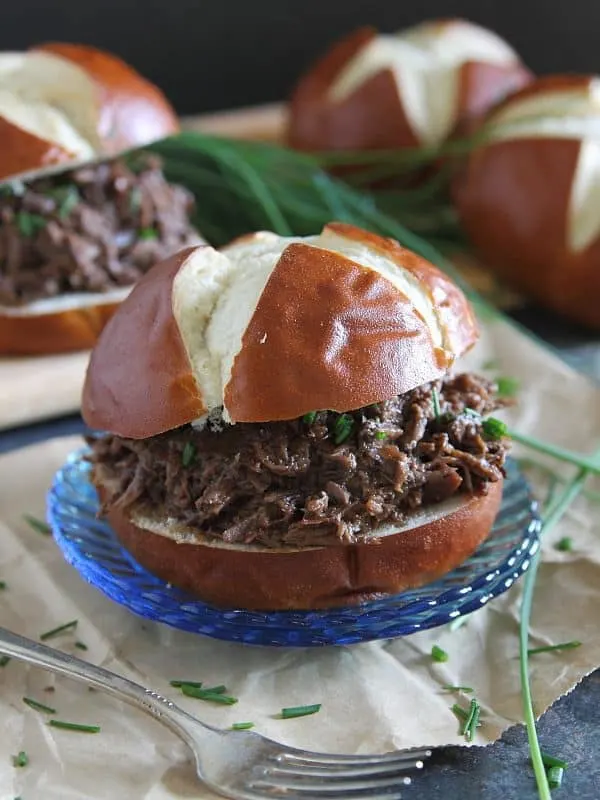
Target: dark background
226	53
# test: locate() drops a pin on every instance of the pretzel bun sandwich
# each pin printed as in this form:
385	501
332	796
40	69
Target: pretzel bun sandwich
529	195
272	437
69	103
413	88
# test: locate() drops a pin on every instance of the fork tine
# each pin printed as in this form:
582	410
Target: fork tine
262	792
327	771
401	757
332	786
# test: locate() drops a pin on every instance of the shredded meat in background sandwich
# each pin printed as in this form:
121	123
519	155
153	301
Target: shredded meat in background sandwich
94	229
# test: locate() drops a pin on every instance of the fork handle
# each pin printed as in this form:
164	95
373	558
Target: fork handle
161	708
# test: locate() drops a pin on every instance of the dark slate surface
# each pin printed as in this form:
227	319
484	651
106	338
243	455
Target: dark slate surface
570	729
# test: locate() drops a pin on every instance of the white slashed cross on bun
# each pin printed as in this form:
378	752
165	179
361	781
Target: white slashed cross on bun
376	91
529	196
67	103
271	328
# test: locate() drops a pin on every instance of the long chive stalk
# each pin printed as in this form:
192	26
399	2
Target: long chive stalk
551	518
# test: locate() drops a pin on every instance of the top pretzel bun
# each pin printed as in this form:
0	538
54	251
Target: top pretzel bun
375	91
270	328
62	104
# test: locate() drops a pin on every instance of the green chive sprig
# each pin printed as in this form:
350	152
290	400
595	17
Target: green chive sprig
188	454
552	761
494	428
38	525
435	399
342	428
309	417
242	726
292	712
551	517
439	655
74	726
555	776
29	701
179	684
51	634
554	647
507	387
21	759
564	545
450	688
210	695
472	720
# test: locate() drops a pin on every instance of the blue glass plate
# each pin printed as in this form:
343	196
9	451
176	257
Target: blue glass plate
92	548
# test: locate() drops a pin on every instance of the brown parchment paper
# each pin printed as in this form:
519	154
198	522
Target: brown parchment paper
375	696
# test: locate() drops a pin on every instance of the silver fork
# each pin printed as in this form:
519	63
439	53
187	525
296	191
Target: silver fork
239	764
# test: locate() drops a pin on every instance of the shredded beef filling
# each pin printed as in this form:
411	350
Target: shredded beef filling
323	479
92	229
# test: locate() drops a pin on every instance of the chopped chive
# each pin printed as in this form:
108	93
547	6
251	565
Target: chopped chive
449	688
555	776
342	428
21	759
147	234
494	428
565	545
472	720
189	454
435	399
470	412
220	689
74	726
203	694
81	645
29	224
549	648
438	654
4	660
38	706
381	435
552	761
507	387
459	712
242	726
179	684
310	417
68	626
300	711
37	524
2	585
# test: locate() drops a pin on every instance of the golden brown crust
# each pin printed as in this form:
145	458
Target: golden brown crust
454	310
372	117
314	577
513	197
139	382
22	151
57	332
132	110
342	336
485	85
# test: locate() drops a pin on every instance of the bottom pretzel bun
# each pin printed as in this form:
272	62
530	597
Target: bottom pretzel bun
62	324
433	541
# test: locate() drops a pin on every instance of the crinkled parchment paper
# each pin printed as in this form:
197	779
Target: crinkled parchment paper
375	696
